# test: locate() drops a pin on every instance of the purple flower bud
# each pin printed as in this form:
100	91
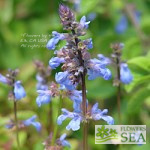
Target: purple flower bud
54	62
44	97
53	41
122	25
97	114
3	79
88	43
125	74
83	23
31	121
19	91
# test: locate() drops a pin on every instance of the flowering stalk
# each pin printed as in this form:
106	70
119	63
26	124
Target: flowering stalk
77	63
123	73
83	85
43	73
117	56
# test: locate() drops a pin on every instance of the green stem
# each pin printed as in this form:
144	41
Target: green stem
50	121
56	126
16	122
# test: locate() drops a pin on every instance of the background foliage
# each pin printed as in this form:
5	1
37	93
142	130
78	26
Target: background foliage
36	17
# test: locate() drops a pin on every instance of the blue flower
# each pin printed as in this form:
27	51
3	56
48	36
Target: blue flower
137	16
97	68
10	125
41	85
97	114
19	91
53	41
74	124
63	79
104	59
54	62
123	22
91	16
83	23
76	97
3	79
125	74
44	97
64	142
122	25
77	5
31	121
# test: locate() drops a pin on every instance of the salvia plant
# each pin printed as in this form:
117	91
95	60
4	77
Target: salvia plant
76	65
17	93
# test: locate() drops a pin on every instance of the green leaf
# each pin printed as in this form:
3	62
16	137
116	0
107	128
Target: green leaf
141	62
138	79
99	88
137	100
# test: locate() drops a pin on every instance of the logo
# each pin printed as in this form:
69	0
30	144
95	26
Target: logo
120	134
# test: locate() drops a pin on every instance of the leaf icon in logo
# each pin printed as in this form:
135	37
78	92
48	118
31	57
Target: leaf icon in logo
113	132
102	131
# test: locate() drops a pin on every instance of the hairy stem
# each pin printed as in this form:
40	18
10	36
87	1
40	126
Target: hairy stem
56	126
16	123
84	106
119	89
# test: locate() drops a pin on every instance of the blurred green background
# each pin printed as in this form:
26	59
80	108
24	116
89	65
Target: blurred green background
20	19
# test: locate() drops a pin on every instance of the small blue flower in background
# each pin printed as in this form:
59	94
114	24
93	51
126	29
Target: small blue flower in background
54	62
83	23
3	79
10	125
97	68
122	24
41	85
74	124
53	41
77	5
63	79
31	121
137	15
125	74
91	16
19	91
97	114
63	141
44	97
